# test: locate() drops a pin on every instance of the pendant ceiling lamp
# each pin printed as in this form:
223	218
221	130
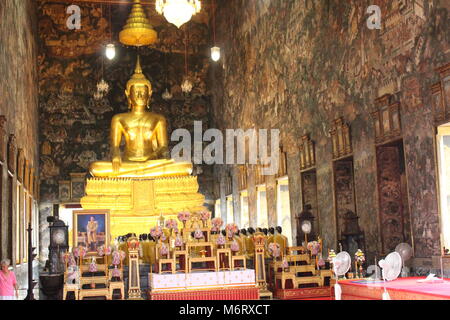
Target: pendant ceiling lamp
110	47
138	31
215	51
178	12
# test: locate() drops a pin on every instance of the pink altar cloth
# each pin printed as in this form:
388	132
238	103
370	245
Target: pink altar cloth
202	280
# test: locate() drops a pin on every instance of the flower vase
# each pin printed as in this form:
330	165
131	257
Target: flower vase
184	224
221	246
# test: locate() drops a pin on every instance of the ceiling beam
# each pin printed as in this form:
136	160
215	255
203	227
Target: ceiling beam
113	2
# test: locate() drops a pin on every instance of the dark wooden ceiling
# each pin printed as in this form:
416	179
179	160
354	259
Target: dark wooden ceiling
205	3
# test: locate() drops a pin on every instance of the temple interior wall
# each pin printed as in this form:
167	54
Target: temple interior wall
299	65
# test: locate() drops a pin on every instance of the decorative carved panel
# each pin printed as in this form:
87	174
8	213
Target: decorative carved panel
441	96
78	184
20	164
386	119
12	156
344	192
340	135
307	153
309	195
3	137
394	217
242	177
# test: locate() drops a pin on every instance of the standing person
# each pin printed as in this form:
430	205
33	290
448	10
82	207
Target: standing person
91	228
8	282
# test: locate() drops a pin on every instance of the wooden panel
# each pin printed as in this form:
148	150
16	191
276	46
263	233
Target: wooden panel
344	192
392	211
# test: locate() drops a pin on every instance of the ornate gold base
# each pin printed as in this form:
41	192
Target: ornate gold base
135	204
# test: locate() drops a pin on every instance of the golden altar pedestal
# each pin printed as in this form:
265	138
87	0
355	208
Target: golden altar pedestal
135	204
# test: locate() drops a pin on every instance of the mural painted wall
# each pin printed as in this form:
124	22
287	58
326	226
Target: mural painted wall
74	125
299	65
19	106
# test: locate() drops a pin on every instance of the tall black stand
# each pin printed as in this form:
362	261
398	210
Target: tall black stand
31	256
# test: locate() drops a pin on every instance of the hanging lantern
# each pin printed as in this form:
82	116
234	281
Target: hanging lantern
138	31
178	12
187	86
110	51
102	87
167	95
97	96
215	53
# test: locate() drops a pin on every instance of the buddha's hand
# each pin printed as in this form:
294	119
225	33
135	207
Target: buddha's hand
116	164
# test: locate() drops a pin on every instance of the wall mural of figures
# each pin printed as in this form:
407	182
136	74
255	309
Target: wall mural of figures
75	126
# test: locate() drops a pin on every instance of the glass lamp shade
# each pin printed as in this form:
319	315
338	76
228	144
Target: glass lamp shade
178	12
215	53
110	51
187	86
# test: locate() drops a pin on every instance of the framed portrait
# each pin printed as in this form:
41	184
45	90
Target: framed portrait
64	190
91	229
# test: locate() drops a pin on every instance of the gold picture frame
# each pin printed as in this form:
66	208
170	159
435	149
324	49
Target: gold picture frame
81	237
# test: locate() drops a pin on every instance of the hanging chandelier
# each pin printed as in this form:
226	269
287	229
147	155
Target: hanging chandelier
138	31
178	12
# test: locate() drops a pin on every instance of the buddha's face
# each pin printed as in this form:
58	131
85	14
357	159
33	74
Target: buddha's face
139	95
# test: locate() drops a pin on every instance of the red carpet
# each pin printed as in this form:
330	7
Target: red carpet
400	289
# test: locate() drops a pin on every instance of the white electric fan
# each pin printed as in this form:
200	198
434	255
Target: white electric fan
406	252
391	267
341	265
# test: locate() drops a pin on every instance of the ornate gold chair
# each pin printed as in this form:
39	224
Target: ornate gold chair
164	262
177	254
71	287
208	257
223	256
235	259
117	285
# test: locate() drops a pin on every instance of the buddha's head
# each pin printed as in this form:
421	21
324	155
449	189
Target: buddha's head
139	88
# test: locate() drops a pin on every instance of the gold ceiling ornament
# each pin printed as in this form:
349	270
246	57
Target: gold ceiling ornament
178	12
138	31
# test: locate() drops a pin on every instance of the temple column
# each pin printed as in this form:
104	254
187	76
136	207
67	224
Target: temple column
252	197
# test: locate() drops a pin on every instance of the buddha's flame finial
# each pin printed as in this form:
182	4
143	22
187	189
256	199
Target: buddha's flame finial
138	69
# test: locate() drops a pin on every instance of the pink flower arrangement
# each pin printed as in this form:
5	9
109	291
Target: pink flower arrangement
184	216
314	247
156	232
108	250
321	262
171	224
198	234
164	250
93	266
179	242
221	240
118	256
116	272
231	229
101	251
285	264
274	249
217	224
79	252
234	246
205	215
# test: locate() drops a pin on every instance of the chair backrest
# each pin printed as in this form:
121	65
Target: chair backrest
296	250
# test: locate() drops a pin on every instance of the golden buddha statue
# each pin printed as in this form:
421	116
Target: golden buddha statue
146	151
140	183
